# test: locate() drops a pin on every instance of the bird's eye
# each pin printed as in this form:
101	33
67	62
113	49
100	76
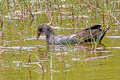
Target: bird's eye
40	30
48	29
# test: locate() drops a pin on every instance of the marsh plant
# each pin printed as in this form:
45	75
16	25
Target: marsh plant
21	18
21	49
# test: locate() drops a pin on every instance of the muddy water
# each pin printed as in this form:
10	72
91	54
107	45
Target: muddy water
22	57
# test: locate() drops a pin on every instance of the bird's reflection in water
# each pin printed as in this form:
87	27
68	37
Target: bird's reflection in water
42	53
88	50
51	50
82	51
88	46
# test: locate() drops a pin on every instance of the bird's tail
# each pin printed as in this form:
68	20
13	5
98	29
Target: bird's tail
103	34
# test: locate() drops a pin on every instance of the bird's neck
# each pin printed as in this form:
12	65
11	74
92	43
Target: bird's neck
50	39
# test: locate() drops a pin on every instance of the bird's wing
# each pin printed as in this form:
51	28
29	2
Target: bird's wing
68	39
93	27
88	34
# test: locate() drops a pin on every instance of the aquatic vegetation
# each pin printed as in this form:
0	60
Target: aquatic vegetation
23	57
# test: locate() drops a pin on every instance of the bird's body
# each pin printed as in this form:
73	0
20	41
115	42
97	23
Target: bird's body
68	39
92	34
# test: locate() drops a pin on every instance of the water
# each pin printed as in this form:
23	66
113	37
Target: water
22	57
28	59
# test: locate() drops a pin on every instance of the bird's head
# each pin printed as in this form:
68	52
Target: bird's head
43	28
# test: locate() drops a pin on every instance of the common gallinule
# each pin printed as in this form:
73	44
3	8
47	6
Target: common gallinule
91	34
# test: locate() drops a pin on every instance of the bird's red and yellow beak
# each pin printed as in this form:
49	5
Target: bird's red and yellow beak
38	34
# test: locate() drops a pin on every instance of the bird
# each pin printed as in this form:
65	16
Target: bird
90	34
